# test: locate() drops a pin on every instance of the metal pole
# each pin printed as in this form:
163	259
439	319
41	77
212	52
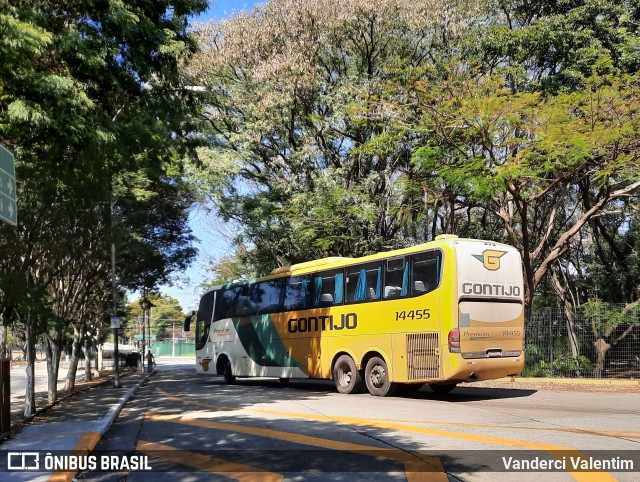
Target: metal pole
116	380
173	338
144	310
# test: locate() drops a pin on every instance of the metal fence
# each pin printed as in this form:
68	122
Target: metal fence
179	349
596	340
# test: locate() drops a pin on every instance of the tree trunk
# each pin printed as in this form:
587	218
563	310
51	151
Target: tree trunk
569	311
52	351
602	347
95	365
4	350
571	330
30	355
87	360
75	358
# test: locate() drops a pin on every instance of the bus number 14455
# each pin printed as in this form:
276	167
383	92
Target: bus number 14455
413	315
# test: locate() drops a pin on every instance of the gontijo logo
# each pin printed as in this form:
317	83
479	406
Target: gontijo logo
490	258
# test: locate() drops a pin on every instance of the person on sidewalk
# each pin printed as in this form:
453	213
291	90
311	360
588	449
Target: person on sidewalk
150	361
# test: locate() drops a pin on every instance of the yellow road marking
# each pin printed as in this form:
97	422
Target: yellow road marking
606	433
418	467
166	394
569	381
85	445
554	450
206	463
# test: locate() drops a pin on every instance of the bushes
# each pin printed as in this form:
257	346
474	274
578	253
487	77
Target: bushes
562	364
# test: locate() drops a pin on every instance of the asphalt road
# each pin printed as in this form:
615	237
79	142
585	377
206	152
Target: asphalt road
196	428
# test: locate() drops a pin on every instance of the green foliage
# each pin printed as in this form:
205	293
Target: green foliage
229	268
352	128
165	315
605	318
567	365
535	365
300	124
92	106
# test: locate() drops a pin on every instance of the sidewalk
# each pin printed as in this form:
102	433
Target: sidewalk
18	384
73	425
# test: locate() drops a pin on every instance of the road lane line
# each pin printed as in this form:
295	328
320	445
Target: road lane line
207	463
166	394
86	444
418	467
554	450
605	433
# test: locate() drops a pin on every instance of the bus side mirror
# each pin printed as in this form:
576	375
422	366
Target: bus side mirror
187	321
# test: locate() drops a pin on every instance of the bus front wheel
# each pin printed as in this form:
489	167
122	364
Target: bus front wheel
346	376
376	376
229	379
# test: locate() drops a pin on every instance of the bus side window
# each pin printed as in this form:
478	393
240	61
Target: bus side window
327	288
396	278
296	293
267	296
227	306
425	271
244	303
364	282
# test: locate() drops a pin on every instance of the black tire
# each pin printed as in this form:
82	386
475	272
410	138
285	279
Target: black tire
442	388
284	381
229	378
376	377
346	376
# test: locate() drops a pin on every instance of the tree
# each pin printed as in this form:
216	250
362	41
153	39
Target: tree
610	326
299	152
166	314
90	101
544	166
368	126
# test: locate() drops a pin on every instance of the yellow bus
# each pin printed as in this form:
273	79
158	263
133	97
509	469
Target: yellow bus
441	313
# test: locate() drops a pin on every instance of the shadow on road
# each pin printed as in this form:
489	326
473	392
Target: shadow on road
303	388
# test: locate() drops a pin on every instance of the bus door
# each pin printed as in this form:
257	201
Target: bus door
203	325
490	308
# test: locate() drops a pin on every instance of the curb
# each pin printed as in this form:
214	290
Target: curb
89	440
113	412
570	381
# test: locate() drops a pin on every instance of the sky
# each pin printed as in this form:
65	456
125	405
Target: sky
204	224
225	8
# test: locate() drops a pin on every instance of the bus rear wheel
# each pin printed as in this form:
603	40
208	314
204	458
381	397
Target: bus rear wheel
229	378
376	376
346	376
442	388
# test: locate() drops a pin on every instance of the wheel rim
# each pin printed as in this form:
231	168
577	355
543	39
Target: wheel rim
378	376
344	375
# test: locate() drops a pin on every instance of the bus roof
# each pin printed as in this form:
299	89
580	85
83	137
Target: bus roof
339	262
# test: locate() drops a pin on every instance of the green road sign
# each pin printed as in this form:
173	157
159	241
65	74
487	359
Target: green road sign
8	207
146	337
